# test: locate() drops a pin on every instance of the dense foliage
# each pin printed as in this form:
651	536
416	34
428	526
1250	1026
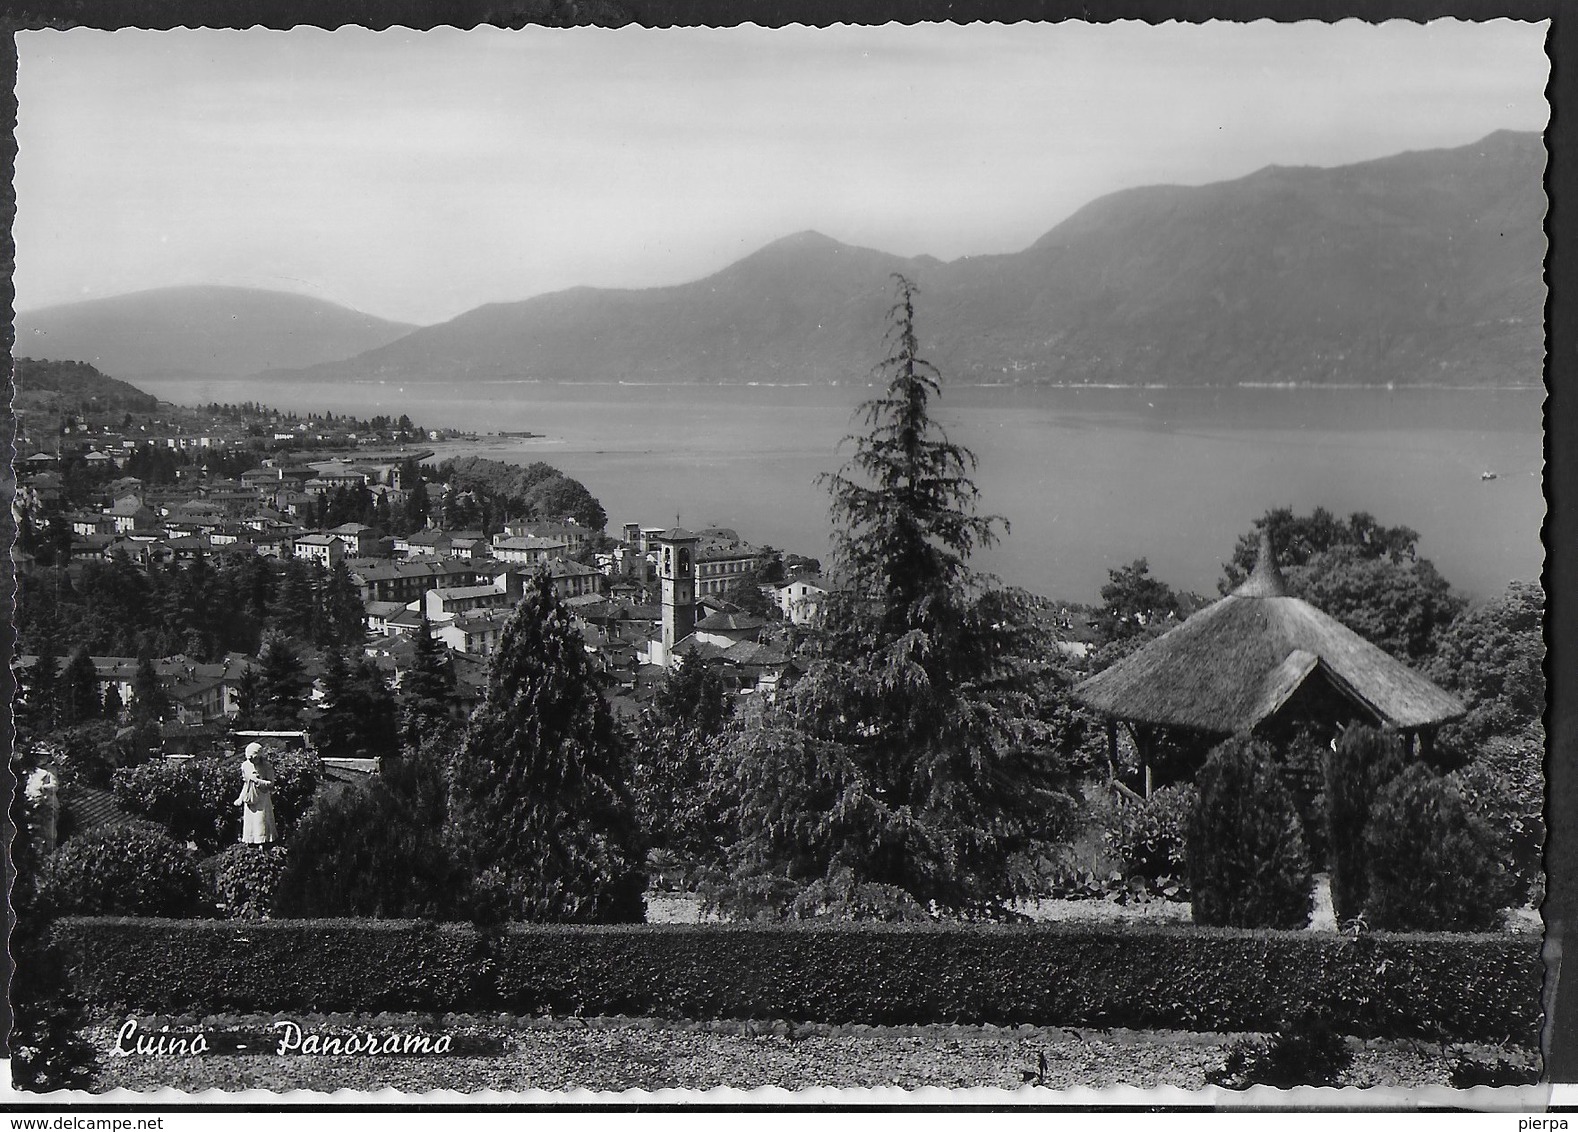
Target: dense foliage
540	806
357	716
211	966
428	701
243	879
691	695
1470	988
376	848
274	693
78	387
199	609
1493	656
1308	1052
1132	600
1361	763
132	868
1149	837
1300	538
1248	866
1504	786
1400	607
1301	760
680	756
486	492
1367	576
1429	863
912	770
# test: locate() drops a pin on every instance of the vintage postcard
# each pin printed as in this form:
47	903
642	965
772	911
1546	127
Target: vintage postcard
848	561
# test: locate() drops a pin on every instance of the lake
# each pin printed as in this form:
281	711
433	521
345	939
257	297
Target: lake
1089	478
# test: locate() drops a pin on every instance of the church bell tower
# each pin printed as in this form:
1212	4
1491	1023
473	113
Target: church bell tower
677	573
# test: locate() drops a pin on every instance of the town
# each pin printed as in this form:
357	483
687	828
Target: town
244	490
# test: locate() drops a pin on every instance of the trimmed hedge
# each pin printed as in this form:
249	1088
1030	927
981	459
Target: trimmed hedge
211	966
1445	987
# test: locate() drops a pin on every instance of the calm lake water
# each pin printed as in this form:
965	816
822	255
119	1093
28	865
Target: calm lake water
1090	479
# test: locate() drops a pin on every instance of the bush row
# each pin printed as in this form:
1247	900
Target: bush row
1460	987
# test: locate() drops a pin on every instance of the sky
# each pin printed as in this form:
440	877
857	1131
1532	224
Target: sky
415	175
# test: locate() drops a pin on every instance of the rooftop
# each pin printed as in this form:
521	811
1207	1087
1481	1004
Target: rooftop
1238	661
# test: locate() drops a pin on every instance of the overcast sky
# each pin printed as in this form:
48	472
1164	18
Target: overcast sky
416	175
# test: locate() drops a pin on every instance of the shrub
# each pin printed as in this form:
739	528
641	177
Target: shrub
1301	758
1441	988
216	966
85	754
195	798
1429	865
244	877
133	869
375	849
1247	863
1504	786
1498	1068
1150	837
1363	761
1310	1052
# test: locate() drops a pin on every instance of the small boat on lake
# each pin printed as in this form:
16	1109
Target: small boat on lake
1487	475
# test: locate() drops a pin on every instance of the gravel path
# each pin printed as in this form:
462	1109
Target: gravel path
626	1053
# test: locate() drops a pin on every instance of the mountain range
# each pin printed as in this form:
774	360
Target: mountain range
1424	267
201	331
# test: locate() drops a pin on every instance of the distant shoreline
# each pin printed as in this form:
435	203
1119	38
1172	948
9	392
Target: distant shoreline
1394	387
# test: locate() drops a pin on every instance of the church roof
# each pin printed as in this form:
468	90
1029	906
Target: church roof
731	622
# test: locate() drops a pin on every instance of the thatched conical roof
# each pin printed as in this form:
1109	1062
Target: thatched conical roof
1235	663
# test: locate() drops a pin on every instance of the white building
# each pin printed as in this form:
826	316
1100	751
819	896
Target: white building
323	549
799	597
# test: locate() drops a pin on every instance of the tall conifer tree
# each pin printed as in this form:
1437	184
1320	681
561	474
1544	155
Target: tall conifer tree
283	687
913	771
149	703
78	690
42	683
427	691
344	616
538	789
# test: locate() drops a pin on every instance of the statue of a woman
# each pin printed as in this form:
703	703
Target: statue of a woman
43	801
256	798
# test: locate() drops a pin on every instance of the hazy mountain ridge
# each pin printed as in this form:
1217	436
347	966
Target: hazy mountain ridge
201	331
1425	267
1421	268
798	309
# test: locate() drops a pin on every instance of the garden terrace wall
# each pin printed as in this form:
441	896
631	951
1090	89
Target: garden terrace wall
1457	987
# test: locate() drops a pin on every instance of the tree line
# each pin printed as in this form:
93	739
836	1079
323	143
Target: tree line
202	609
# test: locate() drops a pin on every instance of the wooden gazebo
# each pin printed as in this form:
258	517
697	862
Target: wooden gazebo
1256	657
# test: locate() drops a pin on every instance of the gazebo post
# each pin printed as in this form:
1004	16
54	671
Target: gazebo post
1137	735
1142	748
1410	743
1145	761
1112	748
